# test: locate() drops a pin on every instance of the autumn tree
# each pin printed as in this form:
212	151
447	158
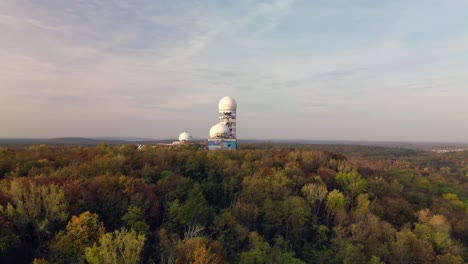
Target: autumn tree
105	196
315	194
265	203
119	247
397	210
199	250
81	232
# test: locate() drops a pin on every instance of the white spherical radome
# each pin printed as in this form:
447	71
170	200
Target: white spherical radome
185	137
227	104
219	131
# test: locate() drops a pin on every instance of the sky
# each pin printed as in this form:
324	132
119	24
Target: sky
298	69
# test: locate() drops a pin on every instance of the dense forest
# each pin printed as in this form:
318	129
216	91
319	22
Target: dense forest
274	204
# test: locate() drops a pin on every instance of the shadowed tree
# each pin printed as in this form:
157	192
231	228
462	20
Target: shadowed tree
37	207
230	233
259	251
193	215
297	217
8	238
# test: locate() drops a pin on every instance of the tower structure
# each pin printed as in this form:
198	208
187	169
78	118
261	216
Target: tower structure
223	134
227	114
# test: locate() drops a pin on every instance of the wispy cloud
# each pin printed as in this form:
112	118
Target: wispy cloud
88	67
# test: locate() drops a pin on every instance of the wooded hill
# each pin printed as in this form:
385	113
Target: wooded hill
107	204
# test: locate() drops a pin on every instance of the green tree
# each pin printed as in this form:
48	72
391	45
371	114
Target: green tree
41	207
336	201
402	247
352	183
272	218
274	185
148	173
408	248
434	229
282	253
259	252
134	219
119	247
347	251
362	205
194	214
230	233
297	216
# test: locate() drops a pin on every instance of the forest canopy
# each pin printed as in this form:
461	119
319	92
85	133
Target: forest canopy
121	204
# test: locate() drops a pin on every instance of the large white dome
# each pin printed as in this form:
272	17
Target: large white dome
227	104
219	131
185	137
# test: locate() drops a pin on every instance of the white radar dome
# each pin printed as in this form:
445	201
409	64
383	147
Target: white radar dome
219	131
185	137
227	104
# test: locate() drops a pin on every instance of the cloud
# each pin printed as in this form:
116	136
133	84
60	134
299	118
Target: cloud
166	63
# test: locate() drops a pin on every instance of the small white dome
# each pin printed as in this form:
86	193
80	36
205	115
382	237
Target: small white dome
227	104
185	137
219	131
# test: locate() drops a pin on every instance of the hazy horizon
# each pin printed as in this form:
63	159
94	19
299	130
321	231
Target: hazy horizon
321	70
274	140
